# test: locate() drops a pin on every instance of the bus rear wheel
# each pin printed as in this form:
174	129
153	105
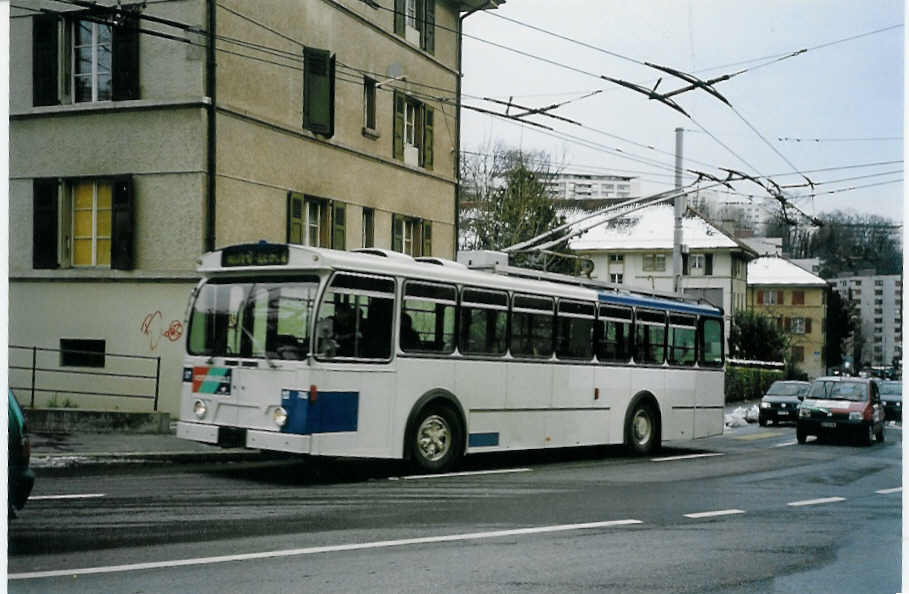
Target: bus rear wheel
642	430
435	440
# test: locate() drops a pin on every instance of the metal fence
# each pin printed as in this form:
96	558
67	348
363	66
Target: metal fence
120	376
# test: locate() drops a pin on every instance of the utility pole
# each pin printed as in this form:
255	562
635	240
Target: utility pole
679	204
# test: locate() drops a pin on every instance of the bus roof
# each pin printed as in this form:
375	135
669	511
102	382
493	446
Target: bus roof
271	258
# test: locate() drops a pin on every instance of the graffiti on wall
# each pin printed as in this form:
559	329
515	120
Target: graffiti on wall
153	326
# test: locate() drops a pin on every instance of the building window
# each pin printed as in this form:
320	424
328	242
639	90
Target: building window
800	326
369	105
91	223
319	91
411	236
654	263
798	298
81	352
878	283
696	262
415	20
316	222
367	230
99	61
616	258
616	277
91	65
413	138
94	227
856	283
878	329
770	297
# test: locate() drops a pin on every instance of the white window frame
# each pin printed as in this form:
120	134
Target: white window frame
797	326
93	76
411	111
311	226
616	277
410	12
770	298
95	237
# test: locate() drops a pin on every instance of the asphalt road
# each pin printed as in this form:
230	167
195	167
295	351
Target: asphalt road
750	511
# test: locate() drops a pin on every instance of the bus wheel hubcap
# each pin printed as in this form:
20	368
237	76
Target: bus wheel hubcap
433	438
641	427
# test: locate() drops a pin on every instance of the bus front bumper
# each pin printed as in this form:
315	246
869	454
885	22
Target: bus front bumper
254	438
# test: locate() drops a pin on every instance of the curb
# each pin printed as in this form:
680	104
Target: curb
57	461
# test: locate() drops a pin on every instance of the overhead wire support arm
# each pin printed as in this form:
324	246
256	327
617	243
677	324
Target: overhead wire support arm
530	111
695	82
649	92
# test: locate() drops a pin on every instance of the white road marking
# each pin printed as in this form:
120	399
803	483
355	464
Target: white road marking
465	473
786	443
314	550
77	496
816	501
711	514
686	457
886	491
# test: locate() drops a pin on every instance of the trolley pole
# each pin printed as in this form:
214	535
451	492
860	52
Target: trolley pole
679	207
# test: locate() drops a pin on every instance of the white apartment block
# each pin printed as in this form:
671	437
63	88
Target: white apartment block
879	301
585	186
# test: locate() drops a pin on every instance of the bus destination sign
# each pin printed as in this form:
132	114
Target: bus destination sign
261	254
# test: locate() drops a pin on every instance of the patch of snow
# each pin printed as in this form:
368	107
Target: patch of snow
741	416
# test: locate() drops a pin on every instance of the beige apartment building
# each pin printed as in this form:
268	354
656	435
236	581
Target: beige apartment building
144	134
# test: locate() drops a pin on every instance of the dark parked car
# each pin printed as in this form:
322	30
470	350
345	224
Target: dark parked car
20	478
892	399
842	405
781	402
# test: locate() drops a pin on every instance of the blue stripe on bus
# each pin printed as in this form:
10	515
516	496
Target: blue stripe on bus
331	412
659	304
483	440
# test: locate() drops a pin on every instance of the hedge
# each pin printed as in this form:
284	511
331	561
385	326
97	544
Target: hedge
749	383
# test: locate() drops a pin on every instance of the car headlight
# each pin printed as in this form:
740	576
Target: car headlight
279	416
898	403
804	412
765	404
855	416
199	409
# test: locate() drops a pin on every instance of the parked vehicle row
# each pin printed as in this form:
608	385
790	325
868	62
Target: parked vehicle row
834	406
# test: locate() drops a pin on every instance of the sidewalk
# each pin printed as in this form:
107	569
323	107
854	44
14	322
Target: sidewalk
52	451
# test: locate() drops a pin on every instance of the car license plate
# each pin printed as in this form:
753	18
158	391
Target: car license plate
828	425
783	413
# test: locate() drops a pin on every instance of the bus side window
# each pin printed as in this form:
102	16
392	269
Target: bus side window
428	318
355	318
575	330
484	319
710	349
681	339
614	334
531	326
650	336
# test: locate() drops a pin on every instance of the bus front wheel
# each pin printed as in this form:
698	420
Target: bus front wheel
436	439
642	430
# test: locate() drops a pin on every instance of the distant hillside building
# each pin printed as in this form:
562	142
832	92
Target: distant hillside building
878	299
587	186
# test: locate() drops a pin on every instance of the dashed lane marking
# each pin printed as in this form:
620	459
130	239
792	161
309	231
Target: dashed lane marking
816	501
711	514
888	491
325	549
466	473
755	436
75	496
685	457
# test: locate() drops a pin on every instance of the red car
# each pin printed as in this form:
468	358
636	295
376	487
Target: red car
842	405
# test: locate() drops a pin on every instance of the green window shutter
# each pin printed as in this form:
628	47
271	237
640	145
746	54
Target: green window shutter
428	38
428	116
44	62
44	224
427	238
123	225
125	59
294	218
397	233
399	16
319	91
398	135
339	229
686	265
708	264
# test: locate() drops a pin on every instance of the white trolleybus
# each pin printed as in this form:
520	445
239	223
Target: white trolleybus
376	354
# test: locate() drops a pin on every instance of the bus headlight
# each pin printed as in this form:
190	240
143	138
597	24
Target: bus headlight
199	409
279	416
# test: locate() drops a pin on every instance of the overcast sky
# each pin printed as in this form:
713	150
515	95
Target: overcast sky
839	93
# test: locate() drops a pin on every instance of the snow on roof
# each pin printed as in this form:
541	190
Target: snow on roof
773	270
651	228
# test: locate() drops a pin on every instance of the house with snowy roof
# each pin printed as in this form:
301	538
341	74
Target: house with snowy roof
635	251
797	300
